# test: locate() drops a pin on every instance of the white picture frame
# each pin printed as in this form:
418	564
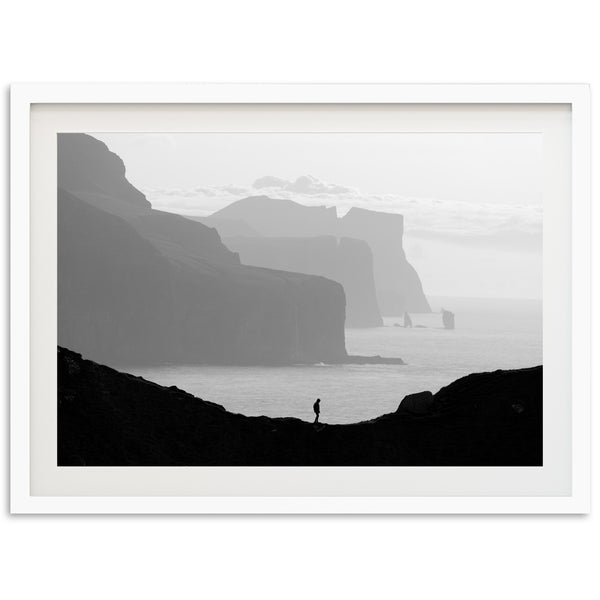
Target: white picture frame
24	97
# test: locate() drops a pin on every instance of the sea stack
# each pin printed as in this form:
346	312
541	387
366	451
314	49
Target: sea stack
447	319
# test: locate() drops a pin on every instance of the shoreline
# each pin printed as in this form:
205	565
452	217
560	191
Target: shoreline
352	359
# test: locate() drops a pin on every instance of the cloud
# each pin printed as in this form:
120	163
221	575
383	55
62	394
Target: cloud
305	184
234	190
507	227
268	181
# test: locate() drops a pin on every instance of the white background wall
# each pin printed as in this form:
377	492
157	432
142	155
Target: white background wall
299	557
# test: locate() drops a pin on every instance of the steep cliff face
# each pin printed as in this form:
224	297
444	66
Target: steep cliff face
107	418
91	172
397	283
138	286
87	168
228	228
346	261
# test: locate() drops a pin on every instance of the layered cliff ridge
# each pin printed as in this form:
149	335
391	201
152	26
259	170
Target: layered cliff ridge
345	260
397	284
108	418
281	218
140	286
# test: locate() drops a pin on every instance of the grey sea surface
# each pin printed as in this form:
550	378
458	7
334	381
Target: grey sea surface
489	335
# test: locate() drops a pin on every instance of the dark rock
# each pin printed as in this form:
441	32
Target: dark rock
420	403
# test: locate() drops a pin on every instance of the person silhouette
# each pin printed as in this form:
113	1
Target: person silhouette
317	409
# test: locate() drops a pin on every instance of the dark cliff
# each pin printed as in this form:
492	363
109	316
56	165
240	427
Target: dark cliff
397	283
139	286
346	260
107	418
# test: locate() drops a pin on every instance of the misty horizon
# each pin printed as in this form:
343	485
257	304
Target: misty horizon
451	239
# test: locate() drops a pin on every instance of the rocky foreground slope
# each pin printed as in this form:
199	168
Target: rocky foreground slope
114	419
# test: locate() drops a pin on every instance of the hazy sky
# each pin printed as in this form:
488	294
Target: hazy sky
472	202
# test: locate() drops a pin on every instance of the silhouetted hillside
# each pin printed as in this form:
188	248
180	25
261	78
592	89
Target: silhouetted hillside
113	419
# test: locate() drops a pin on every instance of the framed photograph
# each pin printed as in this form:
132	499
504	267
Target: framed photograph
300	298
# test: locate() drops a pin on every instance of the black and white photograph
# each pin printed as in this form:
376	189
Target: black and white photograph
300	299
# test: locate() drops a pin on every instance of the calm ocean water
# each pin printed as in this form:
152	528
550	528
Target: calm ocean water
489	335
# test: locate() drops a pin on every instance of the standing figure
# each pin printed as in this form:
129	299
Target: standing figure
317	409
